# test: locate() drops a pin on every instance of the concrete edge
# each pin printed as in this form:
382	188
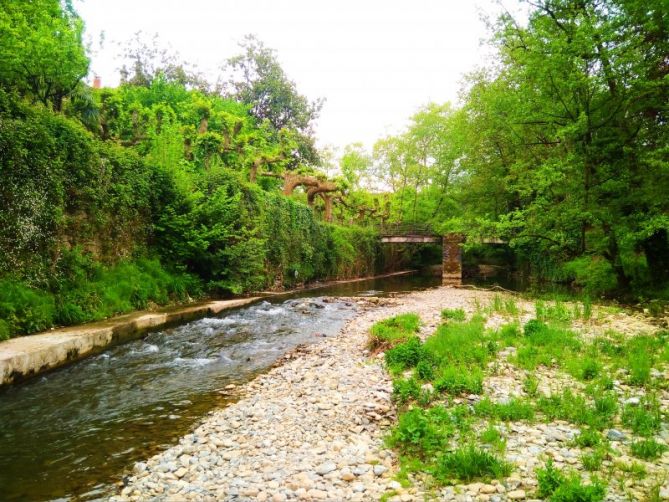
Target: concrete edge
28	356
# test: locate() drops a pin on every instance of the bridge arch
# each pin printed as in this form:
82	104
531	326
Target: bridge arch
451	264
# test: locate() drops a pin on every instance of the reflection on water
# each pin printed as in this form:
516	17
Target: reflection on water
74	431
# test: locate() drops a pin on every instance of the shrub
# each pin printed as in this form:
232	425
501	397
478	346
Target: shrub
468	463
24	310
593	273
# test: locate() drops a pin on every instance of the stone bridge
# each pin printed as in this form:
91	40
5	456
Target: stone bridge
451	271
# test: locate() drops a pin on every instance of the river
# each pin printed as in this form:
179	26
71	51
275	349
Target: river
72	433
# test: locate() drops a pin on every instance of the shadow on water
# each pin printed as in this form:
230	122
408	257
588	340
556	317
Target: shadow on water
71	433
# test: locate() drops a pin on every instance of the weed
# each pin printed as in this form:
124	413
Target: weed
557	486
405	390
593	461
584	368
531	386
459	343
588	438
513	410
574	408
404	355
394	330
468	463
453	314
424	370
633	469
647	449
493	437
644	419
456	380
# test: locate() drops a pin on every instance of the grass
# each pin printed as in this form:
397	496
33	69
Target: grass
469	463
503	305
558	486
392	331
493	437
576	409
453	314
647	449
513	410
457	380
645	418
592	461
588	438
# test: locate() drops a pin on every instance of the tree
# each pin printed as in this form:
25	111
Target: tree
259	81
42	55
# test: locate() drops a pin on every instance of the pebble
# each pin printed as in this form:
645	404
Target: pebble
313	427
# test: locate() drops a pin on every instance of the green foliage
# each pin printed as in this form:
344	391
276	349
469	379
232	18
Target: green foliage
645	418
457	380
422	433
395	329
557	486
453	314
647	449
405	390
405	355
575	408
469	463
592	461
531	386
588	438
462	343
513	410
592	273
24	310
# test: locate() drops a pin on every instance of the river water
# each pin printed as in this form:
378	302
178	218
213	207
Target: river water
72	433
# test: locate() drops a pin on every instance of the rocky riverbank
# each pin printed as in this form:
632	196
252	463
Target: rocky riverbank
313	427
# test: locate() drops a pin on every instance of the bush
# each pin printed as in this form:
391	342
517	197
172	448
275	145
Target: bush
405	390
593	273
24	310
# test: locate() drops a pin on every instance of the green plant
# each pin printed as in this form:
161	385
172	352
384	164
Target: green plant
405	355
457	380
468	463
531	385
593	461
557	486
644	419
405	390
394	330
513	410
588	438
453	314
575	408
493	437
647	449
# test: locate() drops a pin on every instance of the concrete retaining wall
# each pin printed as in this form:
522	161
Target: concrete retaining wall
31	355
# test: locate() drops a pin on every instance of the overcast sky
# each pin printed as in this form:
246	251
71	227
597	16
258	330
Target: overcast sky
374	61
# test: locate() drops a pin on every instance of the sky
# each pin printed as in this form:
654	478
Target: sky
374	61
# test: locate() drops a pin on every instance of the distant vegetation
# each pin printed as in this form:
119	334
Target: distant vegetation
559	149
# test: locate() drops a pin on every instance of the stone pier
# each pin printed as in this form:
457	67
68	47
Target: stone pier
451	274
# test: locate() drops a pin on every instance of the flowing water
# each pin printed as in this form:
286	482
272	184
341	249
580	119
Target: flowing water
73	432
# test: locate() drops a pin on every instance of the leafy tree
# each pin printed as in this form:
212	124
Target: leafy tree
259	81
41	55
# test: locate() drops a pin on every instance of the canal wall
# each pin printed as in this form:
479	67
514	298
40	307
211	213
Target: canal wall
27	356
